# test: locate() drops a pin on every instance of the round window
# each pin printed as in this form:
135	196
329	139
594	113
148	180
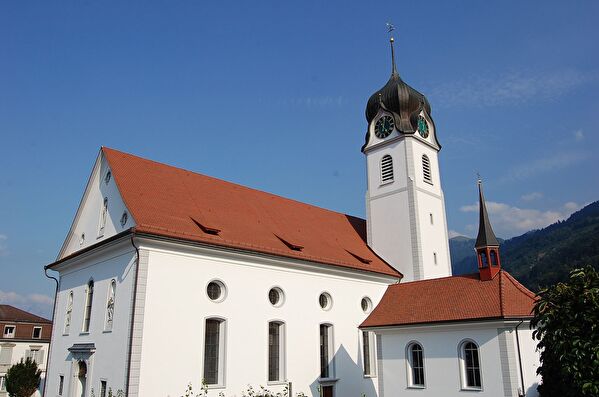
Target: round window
275	296
366	304
215	291
107	177
325	301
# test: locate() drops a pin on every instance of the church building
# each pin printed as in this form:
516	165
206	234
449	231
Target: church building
168	277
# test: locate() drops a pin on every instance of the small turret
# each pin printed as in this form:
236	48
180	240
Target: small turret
487	245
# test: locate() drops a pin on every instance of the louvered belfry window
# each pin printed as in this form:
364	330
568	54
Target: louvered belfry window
426	169
386	169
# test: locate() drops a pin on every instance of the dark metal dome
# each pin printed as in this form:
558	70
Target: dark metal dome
401	100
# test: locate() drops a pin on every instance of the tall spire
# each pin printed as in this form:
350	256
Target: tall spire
393	67
485	237
487	246
390	29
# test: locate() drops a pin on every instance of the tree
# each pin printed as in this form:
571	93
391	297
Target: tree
23	378
566	318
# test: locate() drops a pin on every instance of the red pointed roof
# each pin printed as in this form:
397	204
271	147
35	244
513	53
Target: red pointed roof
176	203
454	298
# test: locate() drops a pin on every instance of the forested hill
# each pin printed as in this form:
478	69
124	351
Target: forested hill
541	257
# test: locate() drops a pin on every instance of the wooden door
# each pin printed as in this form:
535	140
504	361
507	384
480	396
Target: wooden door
327	391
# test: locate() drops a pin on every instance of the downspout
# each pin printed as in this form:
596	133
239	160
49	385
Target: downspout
53	328
520	359
132	314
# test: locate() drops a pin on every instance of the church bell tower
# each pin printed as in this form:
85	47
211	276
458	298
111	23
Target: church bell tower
405	207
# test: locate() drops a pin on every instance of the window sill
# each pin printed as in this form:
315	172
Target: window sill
215	387
471	389
387	183
430	183
84	333
327	380
276	382
369	376
107	331
416	387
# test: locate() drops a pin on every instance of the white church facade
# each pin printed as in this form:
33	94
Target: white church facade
169	277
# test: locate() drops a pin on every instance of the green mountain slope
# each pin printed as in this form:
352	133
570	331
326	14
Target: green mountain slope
542	257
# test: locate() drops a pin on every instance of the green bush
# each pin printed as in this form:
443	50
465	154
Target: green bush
22	379
566	318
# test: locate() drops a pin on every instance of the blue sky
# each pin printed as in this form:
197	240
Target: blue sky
271	94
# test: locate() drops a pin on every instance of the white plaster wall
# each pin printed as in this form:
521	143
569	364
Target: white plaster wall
110	358
19	352
176	307
442	367
530	360
433	236
87	219
392	233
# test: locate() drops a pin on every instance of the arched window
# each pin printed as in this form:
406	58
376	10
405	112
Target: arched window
214	351
426	169
470	365
88	305
494	258
68	313
110	306
103	216
327	368
483	259
386	169
415	365
276	351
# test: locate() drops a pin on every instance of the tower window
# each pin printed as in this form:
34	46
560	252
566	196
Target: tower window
386	169
483	259
426	169
435	257
494	258
431	216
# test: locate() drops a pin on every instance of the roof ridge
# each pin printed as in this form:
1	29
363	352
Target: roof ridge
104	148
428	280
518	285
501	294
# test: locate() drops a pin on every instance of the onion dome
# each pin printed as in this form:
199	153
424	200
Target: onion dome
399	99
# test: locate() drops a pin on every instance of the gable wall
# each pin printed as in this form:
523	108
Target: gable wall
87	220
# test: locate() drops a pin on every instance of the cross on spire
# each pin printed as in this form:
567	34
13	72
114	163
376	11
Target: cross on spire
390	29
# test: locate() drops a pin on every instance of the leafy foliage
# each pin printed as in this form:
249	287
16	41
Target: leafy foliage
23	378
543	257
566	319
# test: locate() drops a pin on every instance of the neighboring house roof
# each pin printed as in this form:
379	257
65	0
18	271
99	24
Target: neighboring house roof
12	314
172	202
455	298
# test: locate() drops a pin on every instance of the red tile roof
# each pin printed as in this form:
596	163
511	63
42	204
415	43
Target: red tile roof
172	202
455	298
10	313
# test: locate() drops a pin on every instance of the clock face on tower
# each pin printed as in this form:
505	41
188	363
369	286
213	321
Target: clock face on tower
383	127
422	127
